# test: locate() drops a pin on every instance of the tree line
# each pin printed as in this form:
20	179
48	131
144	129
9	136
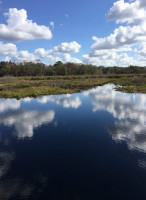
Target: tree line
40	69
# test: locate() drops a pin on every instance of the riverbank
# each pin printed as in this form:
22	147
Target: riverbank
33	86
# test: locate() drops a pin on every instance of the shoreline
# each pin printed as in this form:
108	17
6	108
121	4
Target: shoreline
33	86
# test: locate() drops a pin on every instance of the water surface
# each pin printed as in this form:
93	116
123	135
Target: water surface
85	146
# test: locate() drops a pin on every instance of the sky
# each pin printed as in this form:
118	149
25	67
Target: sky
107	32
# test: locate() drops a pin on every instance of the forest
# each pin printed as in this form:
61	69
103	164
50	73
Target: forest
40	69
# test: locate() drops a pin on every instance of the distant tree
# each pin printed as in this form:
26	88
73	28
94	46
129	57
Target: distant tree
58	63
40	69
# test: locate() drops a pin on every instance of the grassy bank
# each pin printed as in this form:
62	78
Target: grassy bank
18	87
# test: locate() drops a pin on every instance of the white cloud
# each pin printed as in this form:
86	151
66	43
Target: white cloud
110	58
25	121
103	52
127	12
63	48
72	47
112	50
141	51
68	58
41	52
6	59
7	49
24	56
64	58
53	59
19	28
122	36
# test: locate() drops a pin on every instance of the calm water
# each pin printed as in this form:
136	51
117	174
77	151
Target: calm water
86	146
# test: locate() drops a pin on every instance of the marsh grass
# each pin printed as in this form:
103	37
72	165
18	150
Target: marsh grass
18	87
7	79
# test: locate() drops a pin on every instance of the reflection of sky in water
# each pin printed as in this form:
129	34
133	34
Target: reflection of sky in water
26	121
129	109
67	101
87	128
6	104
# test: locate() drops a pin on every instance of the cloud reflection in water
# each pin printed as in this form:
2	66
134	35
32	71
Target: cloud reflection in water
130	110
6	104
5	161
67	101
25	121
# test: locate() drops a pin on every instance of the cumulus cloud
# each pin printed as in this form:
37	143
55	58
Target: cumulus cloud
69	58
67	101
127	12
110	58
19	28
122	36
103	52
24	56
72	47
25	121
6	59
111	50
64	58
7	49
18	56
130	110
141	51
63	48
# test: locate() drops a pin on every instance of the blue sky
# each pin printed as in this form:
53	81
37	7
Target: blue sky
106	32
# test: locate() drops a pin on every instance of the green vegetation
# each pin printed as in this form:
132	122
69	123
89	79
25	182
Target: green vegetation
132	83
19	80
33	86
40	69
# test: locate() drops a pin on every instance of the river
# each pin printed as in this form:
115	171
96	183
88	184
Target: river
85	146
